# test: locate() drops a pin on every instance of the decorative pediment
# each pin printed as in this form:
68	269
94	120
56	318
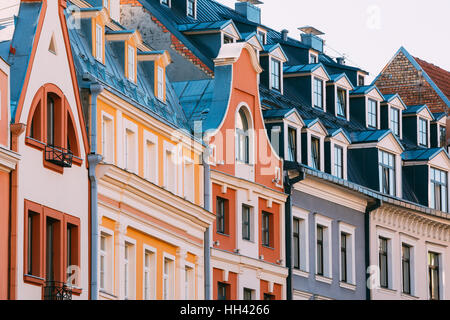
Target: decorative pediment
345	83
321	73
426	114
397	103
375	94
316	126
441	161
231	31
276	52
295	118
254	42
341	137
391	144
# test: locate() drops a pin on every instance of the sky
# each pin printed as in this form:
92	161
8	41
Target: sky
368	32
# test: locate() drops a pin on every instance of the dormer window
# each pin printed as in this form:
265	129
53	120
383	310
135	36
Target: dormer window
313	58
99	43
442	137
361	81
394	124
438	190
166	2
227	39
275	75
372	116
262	37
423	132
292	144
387	172
318	93
315	152
341	103
131	63
160	83
338	161
191	8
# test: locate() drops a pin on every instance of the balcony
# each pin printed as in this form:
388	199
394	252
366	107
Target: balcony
55	290
59	156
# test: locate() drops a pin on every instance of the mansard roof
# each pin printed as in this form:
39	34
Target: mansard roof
140	94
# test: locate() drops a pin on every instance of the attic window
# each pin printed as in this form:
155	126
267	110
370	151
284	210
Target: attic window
318	93
166	2
227	39
52	46
387	172
160	83
131	64
341	102
99	43
275	74
262	37
191	7
372	114
442	136
395	118
361	80
423	132
313	59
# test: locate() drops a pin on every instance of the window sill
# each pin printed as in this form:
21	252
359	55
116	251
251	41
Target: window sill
223	234
324	279
387	291
34	143
30	279
300	273
409	297
347	285
267	247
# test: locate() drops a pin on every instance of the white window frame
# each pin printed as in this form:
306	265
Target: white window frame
427	122
131	56
169	277
151	157
377	115
168	4
160	85
392	277
170	169
314	78
99	43
333	145
130	164
436	248
108	258
399	121
189	179
189	284
152	273
327	245
303	216
108	137
129	283
321	138
280	90
395	169
349	230
412	243
194	16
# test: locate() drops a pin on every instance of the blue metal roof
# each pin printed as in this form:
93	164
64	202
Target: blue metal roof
305	68
277	113
421	154
112	76
365	90
22	41
416	109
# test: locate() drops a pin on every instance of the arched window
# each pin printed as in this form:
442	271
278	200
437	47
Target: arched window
242	137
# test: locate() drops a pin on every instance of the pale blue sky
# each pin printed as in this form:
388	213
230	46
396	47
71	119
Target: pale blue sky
352	27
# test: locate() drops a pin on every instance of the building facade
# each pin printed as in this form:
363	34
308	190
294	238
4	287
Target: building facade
149	182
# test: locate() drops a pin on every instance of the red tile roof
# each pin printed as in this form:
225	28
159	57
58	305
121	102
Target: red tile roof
439	76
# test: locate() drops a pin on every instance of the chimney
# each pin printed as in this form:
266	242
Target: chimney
284	33
249	9
340	60
310	38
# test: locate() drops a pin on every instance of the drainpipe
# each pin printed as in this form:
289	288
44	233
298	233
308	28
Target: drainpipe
288	184
370	207
94	159
207	238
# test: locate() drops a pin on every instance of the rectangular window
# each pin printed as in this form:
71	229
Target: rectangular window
312	59
103	259
130	151
395	124
107	139
276	74
222	215
131	64
191	8
406	268
99	43
126	272
261	37
151	161
315	153
161	83
246	223
227	39
319	253
387	173
170	172
296	244
189	183
383	262
423	132
438	190
223	291
33	244
318	93
188	283
344	255
50	121
106	4
168	279
433	276
341	103
372	111
266	229
361	81
292	144
442	137
248	294
147	274
338	162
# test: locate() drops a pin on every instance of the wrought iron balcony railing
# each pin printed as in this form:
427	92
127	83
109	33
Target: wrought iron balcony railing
59	156
55	290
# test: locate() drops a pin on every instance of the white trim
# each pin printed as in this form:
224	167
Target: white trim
130	164
436	248
303	216
327	244
412	243
151	170
153	272
170	278
349	230
389	235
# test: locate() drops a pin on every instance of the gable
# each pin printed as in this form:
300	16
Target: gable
54	68
397	103
321	73
440	161
340	137
231	31
296	119
374	94
425	113
255	43
318	128
344	83
279	54
389	143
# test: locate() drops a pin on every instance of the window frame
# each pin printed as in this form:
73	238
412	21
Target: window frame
131	63
108	254
338	166
316	164
384	252
344	107
372	115
276	74
406	264
318	96
169	277
192	13
437	270
303	217
434	183
394	121
327	246
292	144
99	47
247	223
391	172
421	135
222	216
266	229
